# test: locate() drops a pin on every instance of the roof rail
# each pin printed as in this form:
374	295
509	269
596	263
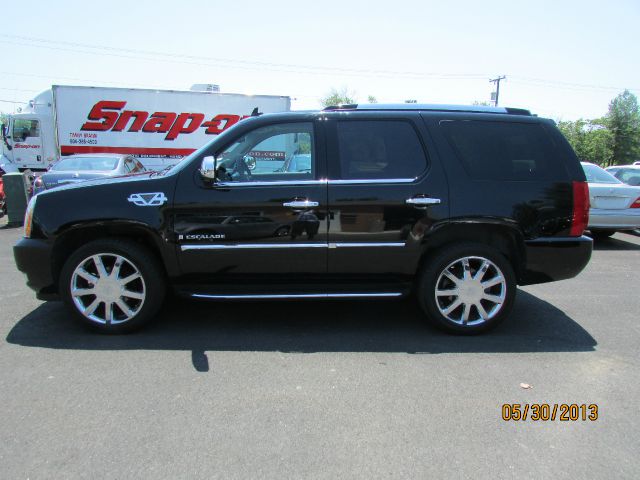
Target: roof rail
430	107
344	106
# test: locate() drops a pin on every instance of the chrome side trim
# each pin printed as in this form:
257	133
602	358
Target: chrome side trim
323	181
359	245
371	181
270	184
221	246
296	295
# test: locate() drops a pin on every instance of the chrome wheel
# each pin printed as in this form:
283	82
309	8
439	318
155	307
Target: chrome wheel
470	291
107	288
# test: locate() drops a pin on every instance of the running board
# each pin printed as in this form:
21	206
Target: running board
295	295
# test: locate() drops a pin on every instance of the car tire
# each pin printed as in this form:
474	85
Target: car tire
113	285
479	300
602	234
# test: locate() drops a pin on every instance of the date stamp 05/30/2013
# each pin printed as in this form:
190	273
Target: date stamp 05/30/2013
550	412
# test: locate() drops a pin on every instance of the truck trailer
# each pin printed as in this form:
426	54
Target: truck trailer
157	126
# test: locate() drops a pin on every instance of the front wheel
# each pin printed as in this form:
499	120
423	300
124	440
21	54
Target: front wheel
113	285
467	289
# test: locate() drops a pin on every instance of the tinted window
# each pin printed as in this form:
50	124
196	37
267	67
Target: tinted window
379	150
274	153
504	150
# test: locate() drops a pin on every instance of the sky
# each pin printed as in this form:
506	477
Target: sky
562	59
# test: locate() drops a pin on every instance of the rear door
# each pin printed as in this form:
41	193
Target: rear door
386	189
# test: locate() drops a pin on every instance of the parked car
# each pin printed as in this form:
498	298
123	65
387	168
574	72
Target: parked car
615	206
78	168
458	205
629	174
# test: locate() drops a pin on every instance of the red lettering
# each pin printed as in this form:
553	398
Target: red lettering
123	120
160	122
180	125
214	125
97	113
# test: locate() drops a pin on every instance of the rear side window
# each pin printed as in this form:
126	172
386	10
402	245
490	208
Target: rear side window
388	149
504	150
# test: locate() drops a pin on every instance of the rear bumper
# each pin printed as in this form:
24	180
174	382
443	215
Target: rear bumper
33	258
552	259
625	219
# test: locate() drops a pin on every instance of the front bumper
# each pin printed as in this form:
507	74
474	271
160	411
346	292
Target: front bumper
33	257
555	258
622	219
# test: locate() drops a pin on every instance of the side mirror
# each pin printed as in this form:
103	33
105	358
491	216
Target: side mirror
208	168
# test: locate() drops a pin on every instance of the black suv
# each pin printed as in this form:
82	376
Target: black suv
457	205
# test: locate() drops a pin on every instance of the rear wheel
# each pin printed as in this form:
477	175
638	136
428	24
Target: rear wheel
467	288
113	285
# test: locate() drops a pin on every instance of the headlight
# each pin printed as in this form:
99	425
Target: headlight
28	217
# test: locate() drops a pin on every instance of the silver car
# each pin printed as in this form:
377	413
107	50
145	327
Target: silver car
78	168
615	206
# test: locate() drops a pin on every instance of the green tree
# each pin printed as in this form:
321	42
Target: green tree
372	99
623	120
338	97
591	139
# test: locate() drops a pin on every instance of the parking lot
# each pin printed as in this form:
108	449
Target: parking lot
345	389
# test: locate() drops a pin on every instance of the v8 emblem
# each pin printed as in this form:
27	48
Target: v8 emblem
154	199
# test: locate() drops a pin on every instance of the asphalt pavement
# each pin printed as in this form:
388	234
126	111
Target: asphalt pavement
349	389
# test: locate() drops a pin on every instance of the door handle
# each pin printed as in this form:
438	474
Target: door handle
422	201
300	204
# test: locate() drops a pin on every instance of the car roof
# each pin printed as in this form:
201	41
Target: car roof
633	167
97	155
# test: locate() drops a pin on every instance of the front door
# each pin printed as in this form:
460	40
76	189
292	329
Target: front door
27	143
264	221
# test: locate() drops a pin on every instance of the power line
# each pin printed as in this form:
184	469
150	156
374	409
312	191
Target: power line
565	85
231	63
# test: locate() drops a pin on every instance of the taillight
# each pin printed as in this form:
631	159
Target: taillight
580	217
636	204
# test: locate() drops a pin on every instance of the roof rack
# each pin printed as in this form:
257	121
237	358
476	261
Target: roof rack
430	107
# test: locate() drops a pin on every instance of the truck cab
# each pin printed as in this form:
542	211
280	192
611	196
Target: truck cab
27	142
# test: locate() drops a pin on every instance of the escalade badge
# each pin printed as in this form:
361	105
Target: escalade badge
147	199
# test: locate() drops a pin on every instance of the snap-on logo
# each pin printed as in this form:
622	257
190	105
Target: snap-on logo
147	199
112	117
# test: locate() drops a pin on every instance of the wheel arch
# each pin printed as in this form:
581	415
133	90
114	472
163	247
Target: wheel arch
505	238
71	238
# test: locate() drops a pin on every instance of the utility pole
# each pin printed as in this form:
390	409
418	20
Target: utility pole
497	82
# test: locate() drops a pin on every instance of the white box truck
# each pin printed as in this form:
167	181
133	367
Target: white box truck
157	126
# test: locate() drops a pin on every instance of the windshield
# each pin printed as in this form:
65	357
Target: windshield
86	164
596	174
